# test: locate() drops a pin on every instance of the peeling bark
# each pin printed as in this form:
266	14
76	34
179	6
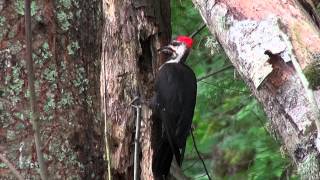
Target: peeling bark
262	39
133	32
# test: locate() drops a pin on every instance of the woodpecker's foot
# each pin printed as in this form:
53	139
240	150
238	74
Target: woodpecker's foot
137	101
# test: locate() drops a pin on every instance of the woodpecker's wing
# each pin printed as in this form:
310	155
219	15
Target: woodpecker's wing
176	89
176	95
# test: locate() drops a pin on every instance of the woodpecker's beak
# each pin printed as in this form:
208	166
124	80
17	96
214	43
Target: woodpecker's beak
167	50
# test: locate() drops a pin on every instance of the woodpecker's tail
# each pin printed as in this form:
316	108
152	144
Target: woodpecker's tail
162	160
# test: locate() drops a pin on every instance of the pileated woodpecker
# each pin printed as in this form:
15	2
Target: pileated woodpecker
174	103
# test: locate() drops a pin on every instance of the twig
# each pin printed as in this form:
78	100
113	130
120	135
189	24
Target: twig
105	121
192	165
33	105
136	160
196	148
193	34
11	167
107	152
214	73
229	89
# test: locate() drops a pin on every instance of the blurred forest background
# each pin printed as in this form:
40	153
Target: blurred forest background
230	125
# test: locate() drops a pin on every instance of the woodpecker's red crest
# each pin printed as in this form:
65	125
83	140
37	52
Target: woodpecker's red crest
186	40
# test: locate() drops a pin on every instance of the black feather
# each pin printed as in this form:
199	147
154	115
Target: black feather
176	89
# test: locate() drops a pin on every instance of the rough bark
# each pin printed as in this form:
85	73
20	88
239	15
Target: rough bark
262	39
67	76
132	33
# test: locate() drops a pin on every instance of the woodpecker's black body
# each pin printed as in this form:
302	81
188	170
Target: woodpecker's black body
175	99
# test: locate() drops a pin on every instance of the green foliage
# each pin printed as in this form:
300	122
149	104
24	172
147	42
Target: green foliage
230	123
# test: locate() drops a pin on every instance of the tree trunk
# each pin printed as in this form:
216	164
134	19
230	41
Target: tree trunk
263	40
66	51
133	32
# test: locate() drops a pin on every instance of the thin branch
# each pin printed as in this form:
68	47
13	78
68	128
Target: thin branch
196	148
214	73
33	105
105	121
136	144
200	28
230	89
192	165
11	167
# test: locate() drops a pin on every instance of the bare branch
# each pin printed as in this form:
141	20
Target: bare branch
196	148
33	105
214	73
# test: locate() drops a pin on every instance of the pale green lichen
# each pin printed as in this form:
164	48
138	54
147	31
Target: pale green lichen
15	47
20	7
73	47
50	104
2	20
66	3
81	81
213	44
63	19
312	73
43	54
3	28
14	84
50	74
309	168
65	13
66	100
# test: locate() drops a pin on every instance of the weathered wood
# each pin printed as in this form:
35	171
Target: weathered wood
133	31
262	39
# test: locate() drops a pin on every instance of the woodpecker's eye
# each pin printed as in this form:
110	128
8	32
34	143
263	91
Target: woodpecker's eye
175	43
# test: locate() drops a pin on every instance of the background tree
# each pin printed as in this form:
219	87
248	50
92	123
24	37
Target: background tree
230	124
269	42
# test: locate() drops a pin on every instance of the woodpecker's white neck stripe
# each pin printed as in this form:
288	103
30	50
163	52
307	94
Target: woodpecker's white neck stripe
179	52
176	60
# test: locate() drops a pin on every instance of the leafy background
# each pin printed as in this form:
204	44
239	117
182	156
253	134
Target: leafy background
230	125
